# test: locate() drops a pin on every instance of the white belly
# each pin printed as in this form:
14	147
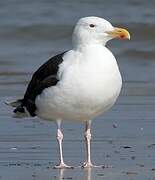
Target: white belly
83	93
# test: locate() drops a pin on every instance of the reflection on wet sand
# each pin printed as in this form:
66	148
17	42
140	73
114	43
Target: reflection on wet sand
87	172
61	174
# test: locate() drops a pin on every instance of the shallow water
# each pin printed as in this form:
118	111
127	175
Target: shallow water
31	32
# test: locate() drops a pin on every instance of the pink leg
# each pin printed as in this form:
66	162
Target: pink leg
61	165
88	162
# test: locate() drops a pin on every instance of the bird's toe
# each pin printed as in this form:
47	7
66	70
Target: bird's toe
63	166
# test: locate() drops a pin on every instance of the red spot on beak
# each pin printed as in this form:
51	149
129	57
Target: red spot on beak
122	36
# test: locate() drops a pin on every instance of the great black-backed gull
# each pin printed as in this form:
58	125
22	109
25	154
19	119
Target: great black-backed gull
79	84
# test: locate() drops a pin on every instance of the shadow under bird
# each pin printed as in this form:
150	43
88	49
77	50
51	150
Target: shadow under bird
77	85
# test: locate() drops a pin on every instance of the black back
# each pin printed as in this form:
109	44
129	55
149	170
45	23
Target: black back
44	77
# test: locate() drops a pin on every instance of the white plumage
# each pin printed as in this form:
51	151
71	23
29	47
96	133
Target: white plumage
89	85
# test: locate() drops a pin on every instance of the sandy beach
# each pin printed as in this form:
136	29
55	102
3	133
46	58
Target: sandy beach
124	139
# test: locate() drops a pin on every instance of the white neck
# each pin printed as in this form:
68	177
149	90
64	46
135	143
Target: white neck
80	40
80	45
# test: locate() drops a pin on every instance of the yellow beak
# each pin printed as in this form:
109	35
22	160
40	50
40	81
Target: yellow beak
119	33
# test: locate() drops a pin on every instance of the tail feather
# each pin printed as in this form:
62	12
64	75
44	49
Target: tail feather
14	103
19	108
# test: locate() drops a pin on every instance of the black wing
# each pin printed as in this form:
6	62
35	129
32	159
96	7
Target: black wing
44	77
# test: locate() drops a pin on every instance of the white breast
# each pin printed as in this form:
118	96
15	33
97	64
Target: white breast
89	85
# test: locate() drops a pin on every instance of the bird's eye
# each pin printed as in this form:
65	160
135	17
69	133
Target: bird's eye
91	25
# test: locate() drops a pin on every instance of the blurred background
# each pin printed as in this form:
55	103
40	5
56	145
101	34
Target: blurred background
33	31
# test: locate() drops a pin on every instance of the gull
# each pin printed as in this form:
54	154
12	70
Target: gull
77	85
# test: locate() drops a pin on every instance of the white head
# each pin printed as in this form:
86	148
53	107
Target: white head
95	30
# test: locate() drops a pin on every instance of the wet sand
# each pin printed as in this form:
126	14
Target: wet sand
124	139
